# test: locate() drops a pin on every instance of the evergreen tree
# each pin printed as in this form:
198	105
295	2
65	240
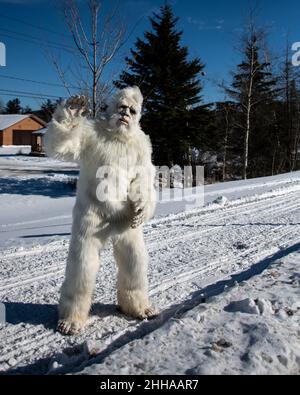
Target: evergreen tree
295	126
26	110
170	84
13	107
2	108
47	110
288	117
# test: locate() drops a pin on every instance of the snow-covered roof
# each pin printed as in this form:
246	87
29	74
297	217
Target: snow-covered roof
40	132
7	121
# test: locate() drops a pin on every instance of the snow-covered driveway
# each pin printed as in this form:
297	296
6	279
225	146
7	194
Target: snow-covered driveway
195	258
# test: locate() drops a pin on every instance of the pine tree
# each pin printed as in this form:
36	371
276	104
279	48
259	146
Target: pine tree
13	107
295	132
253	88
47	110
26	110
171	87
2	108
288	114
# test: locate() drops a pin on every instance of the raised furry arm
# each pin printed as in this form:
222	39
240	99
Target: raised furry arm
67	132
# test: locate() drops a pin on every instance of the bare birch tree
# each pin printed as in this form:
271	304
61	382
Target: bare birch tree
96	41
246	88
227	110
252	85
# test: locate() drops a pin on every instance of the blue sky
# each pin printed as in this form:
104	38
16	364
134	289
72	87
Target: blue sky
211	30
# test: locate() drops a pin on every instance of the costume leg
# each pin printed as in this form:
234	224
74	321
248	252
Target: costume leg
82	267
132	259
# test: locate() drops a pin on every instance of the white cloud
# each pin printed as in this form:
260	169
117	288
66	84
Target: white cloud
217	24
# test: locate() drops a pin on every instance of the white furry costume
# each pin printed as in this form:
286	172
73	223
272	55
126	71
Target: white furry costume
112	201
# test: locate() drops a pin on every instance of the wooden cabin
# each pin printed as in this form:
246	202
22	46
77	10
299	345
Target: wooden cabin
17	129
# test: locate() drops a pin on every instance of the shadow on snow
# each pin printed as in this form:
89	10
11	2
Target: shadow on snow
42	186
176	311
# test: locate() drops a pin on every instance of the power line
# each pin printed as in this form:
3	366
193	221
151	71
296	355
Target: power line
31	94
37	39
24	96
34	26
39	82
37	42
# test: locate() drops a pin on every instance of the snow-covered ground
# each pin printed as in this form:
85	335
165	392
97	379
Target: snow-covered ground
225	277
15	161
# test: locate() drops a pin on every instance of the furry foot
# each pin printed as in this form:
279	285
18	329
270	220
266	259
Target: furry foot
69	328
148	313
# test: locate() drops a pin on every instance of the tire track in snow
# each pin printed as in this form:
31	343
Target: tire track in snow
134	332
216	266
36	347
167	235
230	212
204	212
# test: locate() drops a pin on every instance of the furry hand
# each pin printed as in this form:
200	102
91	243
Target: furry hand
138	215
77	106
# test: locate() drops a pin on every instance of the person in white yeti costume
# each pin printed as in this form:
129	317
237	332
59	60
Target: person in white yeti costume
115	197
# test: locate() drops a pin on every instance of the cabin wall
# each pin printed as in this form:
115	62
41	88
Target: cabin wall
28	125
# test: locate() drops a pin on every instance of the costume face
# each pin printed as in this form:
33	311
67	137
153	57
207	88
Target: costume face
127	113
124	113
